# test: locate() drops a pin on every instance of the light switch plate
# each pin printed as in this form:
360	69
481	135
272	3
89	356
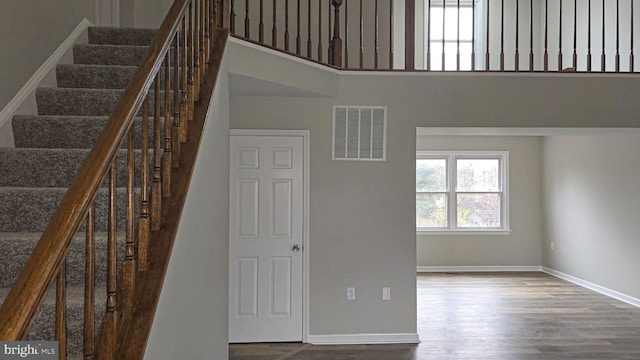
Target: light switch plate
351	293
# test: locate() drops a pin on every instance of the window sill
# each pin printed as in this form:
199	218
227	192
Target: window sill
465	232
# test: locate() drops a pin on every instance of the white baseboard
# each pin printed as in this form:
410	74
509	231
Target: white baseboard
595	287
356	339
45	69
477	268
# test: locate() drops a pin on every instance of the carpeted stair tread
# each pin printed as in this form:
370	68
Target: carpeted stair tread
17	247
94	76
127	55
120	36
53	167
71	132
24	209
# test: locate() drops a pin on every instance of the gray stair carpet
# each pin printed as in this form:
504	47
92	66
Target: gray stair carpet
49	149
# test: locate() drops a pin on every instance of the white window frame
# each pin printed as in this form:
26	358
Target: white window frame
480	14
451	157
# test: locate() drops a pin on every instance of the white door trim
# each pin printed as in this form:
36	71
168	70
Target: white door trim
112	15
305	134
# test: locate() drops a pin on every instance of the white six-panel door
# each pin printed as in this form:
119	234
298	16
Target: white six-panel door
266	238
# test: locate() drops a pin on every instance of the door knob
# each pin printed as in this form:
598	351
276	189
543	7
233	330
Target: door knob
296	248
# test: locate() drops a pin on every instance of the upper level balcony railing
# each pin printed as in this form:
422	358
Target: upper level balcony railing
446	35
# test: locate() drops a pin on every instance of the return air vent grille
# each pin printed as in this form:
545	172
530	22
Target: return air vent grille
359	133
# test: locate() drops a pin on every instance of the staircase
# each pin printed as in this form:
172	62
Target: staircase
49	149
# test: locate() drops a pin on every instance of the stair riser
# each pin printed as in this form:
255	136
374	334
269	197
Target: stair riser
86	102
53	168
71	132
17	252
120	36
101	77
31	209
94	77
108	55
111	55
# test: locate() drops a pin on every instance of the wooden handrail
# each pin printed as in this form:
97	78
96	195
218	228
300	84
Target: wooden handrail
19	308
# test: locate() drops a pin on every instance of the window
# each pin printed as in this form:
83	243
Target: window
452	28
462	191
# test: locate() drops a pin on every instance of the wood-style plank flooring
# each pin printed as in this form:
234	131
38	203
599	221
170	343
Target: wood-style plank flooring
493	316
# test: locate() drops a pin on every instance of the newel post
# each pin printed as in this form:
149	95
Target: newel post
336	41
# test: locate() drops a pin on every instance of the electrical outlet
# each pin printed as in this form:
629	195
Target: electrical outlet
386	293
351	293
552	245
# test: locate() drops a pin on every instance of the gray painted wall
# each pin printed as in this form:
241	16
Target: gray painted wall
519	248
354	242
127	13
30	30
150	13
192	317
362	230
591	201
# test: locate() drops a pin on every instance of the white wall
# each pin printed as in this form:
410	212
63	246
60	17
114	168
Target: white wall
591	201
624	28
191	321
362	230
519	248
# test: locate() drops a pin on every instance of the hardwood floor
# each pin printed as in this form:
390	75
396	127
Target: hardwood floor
493	316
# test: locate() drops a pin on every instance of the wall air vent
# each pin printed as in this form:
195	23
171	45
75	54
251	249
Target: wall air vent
359	133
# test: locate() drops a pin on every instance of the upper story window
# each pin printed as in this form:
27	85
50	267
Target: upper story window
462	191
451	32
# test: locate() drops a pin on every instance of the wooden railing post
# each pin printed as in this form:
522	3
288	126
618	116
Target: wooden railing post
336	41
89	341
156	185
128	274
175	87
61	317
144	225
232	17
410	34
166	153
224	20
108	335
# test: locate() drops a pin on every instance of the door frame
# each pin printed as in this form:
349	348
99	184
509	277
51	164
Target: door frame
305	134
111	17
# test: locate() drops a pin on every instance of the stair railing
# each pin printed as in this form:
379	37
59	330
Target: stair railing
446	35
170	92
